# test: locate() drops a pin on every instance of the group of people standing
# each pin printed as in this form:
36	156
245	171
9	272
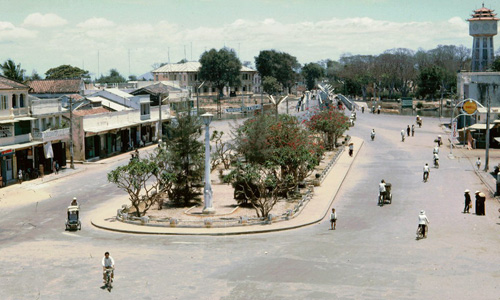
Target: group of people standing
480	202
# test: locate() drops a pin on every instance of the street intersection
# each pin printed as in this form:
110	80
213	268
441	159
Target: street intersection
373	253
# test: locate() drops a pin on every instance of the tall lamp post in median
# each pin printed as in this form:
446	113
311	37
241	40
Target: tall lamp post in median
207	191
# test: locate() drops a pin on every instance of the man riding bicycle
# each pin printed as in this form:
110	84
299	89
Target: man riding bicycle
107	263
426	172
422	222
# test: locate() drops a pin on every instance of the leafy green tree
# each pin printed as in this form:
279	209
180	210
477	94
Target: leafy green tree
13	71
34	76
186	159
113	77
132	78
145	180
429	81
330	123
281	142
250	139
495	67
279	65
270	85
220	68
66	72
312	72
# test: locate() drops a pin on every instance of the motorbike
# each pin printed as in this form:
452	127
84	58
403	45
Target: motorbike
420	232
373	136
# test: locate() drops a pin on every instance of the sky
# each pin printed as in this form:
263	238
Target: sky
132	35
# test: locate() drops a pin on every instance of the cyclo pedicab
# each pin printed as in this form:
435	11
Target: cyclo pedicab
73	220
387	197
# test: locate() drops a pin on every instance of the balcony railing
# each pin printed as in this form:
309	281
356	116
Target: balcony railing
51	135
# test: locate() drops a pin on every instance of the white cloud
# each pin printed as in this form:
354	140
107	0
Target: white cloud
149	42
47	20
96	23
9	32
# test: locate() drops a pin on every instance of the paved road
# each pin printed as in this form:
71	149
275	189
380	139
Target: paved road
372	254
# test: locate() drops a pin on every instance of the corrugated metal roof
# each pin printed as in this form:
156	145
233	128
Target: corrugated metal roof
191	66
107	103
119	93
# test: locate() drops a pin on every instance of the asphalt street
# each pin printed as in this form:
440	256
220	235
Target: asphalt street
373	253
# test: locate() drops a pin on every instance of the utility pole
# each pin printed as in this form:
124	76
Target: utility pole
160	125
71	164
487	155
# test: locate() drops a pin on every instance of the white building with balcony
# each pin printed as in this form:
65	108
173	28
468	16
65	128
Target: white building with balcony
16	145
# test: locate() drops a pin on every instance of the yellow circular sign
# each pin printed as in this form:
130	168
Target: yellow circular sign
470	107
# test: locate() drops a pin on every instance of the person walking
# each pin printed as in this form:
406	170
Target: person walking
408	130
20	176
403	135
467	201
54	167
351	149
478	203
478	163
482	200
412	129
333	219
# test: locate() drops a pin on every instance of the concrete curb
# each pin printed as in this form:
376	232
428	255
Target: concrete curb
100	222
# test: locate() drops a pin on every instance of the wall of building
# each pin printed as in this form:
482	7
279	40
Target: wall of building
468	86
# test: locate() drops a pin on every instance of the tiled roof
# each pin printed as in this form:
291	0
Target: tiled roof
55	86
94	111
9	84
191	66
483	14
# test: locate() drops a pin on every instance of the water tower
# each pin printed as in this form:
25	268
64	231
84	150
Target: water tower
482	26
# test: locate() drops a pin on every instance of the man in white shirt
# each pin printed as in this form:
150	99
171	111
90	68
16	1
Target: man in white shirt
333	219
478	163
426	172
423	222
107	263
381	191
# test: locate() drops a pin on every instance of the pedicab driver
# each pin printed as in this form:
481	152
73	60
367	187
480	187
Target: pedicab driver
107	263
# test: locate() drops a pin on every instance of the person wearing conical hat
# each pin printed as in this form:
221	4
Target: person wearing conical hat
478	200
467	201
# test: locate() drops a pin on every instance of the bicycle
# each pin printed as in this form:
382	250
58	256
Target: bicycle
426	176
420	234
109	280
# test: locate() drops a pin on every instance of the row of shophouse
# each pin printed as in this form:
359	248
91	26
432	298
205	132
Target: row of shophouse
35	118
35	122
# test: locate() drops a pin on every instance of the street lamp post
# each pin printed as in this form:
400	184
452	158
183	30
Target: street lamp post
207	192
198	98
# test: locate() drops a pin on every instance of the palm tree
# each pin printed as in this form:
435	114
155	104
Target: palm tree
12	71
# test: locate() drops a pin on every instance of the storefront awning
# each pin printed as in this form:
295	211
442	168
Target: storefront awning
8	121
20	146
26	119
103	129
480	126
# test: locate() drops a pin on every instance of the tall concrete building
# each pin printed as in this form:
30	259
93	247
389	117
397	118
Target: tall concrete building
482	26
